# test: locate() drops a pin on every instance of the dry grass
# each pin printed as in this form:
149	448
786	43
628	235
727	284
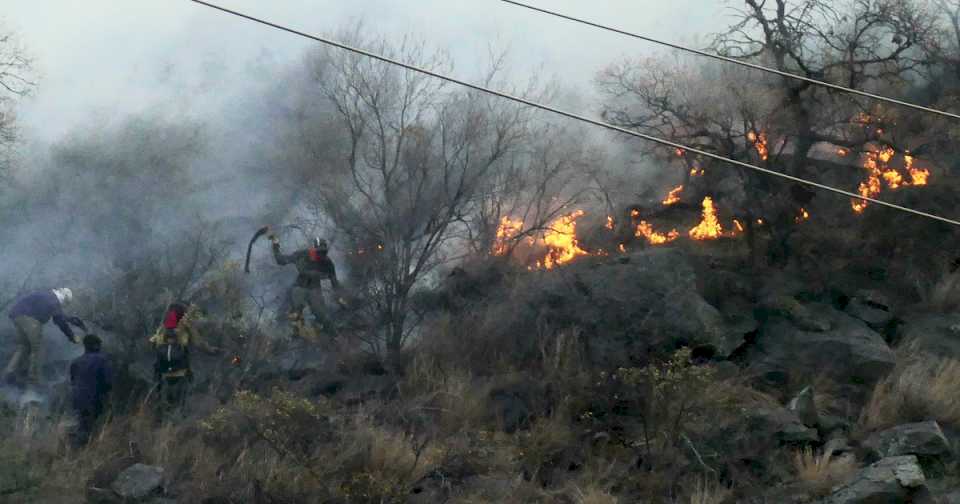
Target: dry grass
944	295
923	389
594	495
705	491
454	397
822	471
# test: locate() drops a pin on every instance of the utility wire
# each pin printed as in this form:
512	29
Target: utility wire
733	60
578	117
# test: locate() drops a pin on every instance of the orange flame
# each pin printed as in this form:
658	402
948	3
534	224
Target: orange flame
645	230
623	248
673	197
609	222
918	177
738	225
679	152
877	165
804	215
508	229
696	172
843	152
709	228
561	238
759	142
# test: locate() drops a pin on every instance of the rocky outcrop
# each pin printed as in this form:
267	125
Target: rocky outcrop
892	479
872	307
795	339
648	302
924	439
779	424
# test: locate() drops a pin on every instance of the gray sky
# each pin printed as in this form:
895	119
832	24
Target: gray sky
107	58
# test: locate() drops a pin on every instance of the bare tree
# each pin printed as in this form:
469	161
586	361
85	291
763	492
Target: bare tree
859	43
544	179
16	81
415	160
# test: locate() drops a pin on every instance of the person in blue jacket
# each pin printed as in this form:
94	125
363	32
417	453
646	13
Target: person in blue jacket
29	314
91	380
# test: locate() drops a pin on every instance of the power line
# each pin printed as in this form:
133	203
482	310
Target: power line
577	117
733	60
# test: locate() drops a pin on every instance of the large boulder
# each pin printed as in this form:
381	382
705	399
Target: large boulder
872	307
795	339
781	424
647	301
891	480
924	439
138	481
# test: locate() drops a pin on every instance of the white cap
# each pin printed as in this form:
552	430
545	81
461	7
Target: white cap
64	295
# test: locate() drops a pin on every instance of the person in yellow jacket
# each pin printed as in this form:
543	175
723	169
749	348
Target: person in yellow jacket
173	342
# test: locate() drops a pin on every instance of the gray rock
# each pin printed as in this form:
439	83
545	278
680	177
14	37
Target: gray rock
849	351
891	480
650	303
873	315
924	439
782	425
138	481
832	423
796	312
805	408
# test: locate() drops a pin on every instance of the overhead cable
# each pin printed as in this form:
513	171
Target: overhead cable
735	61
571	115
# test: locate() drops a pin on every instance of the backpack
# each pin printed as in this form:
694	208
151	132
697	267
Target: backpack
172	358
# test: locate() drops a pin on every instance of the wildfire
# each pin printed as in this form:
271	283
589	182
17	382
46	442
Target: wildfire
679	152
843	152
709	228
645	230
877	164
696	172
673	197
609	222
918	177
759	142
561	239
804	215
623	248
508	229
738	225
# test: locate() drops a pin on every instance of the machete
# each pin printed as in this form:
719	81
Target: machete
260	232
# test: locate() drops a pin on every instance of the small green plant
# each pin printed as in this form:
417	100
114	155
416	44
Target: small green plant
667	396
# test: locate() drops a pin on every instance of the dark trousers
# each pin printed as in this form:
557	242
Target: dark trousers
86	424
173	392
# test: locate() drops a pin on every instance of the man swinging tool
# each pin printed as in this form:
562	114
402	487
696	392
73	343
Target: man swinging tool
313	266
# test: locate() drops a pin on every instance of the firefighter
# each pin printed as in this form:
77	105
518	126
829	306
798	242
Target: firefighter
173	342
313	266
29	314
91	379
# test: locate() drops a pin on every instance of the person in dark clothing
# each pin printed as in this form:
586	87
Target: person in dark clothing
91	379
313	265
171	369
29	314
